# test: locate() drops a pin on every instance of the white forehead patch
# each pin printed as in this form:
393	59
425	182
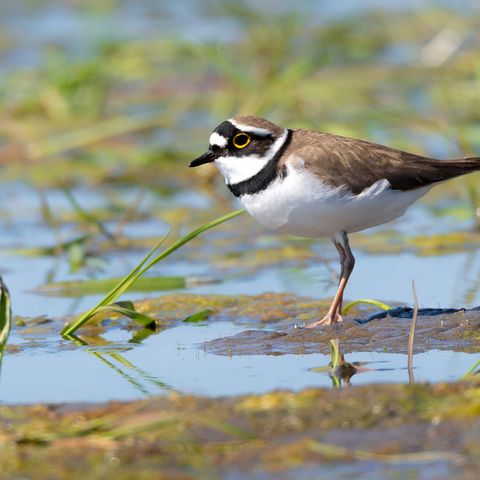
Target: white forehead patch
249	128
218	140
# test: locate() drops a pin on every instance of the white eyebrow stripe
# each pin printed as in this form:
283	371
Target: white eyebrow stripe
217	140
248	128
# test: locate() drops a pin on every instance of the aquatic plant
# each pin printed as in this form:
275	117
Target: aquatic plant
5	317
146	263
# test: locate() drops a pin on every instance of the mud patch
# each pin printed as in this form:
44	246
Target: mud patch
456	330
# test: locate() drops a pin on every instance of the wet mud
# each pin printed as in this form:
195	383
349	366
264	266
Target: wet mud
274	325
436	329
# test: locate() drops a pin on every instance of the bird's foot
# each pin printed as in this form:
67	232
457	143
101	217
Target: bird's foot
328	319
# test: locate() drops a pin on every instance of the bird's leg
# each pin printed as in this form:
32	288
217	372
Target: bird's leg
343	258
347	262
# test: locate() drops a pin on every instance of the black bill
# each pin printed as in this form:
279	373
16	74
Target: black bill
207	157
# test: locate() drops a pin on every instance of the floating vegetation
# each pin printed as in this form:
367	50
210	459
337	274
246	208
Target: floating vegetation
5	317
80	288
272	434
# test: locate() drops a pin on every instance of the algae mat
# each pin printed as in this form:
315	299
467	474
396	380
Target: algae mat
366	432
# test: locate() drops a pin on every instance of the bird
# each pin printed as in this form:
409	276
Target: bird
315	184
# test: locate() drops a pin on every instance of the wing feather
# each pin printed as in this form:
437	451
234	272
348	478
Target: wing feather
358	164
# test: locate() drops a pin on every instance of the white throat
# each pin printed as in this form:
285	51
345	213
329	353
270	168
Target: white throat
238	169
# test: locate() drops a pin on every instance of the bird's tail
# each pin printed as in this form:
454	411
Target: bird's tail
462	166
441	170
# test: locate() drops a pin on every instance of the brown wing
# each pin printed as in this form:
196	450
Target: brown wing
358	164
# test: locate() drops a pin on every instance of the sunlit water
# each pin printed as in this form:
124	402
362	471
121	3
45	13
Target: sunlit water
441	281
55	370
175	360
52	370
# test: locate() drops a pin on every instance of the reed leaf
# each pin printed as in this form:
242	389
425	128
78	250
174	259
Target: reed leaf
113	294
127	309
80	288
52	249
335	352
5	316
147	263
87	216
472	369
92	134
411	336
366	301
198	317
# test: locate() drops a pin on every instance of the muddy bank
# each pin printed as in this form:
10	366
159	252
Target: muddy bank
281	318
273	325
372	429
436	330
280	310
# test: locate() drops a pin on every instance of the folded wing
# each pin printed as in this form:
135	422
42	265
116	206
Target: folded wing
358	164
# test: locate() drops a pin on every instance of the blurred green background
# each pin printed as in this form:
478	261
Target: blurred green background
104	104
128	91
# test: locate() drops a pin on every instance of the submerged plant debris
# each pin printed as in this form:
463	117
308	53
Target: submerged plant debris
380	430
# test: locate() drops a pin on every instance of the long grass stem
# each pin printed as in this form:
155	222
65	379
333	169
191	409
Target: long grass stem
142	268
411	335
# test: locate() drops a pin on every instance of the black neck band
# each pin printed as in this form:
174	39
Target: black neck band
261	180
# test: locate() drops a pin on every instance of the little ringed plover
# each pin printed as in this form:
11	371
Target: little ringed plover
315	184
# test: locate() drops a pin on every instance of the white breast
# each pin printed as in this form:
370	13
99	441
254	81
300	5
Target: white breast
300	204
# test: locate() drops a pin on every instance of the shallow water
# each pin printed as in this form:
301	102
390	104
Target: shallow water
174	359
49	369
388	276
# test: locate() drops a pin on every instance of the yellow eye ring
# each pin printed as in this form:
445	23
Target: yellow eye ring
241	140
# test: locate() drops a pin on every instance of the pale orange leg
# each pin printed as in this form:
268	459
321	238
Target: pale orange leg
347	262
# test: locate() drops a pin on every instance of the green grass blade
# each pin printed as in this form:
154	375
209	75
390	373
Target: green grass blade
367	301
82	137
87	216
336	382
335	352
130	312
53	249
198	317
411	336
472	369
80	288
5	316
187	238
112	295
143	267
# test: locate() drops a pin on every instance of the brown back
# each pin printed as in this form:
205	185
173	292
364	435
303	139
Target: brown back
358	164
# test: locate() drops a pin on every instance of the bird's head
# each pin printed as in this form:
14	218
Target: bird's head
241	146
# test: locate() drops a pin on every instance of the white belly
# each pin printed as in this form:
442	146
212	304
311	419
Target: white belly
300	204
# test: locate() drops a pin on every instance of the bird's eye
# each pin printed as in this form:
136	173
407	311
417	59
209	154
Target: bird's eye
241	140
